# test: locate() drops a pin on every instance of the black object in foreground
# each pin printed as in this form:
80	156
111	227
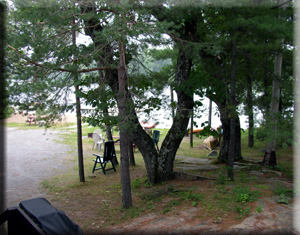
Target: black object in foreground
38	216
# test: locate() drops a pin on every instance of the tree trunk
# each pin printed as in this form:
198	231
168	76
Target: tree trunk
209	112
232	142
159	166
103	100
3	94
250	112
192	135
78	117
108	131
131	154
172	102
249	108
175	135
270	156
125	174
225	120
79	139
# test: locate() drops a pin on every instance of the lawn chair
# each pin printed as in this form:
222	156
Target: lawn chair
98	140
155	138
108	155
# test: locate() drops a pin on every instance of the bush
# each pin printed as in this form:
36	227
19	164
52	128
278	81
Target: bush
261	133
8	111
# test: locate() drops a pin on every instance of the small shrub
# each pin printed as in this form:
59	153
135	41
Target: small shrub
243	194
243	211
283	199
258	209
281	190
261	134
166	210
221	179
136	183
243	177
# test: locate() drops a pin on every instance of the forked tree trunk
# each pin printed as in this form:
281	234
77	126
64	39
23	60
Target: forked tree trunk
159	166
175	135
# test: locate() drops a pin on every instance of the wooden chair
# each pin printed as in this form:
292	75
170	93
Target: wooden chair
155	138
108	155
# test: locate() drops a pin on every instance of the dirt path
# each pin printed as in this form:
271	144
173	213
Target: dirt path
31	157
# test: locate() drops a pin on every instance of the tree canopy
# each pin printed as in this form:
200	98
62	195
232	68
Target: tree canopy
136	49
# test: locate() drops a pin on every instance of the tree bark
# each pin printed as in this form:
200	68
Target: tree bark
175	135
270	156
249	110
124	142
3	95
79	139
233	116
209	112
192	135
131	154
172	101
159	166
78	117
225	120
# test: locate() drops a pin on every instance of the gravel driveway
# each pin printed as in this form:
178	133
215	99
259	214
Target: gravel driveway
31	157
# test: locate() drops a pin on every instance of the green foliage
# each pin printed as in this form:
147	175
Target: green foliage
189	196
208	131
8	111
223	176
242	210
183	195
284	137
286	167
243	194
258	209
281	190
261	133
283	199
243	177
132	212
221	179
136	183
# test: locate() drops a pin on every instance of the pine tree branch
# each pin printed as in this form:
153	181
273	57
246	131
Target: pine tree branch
281	4
58	69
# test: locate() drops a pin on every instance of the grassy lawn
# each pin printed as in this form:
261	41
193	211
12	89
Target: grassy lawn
97	203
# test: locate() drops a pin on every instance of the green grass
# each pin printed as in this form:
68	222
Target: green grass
217	199
22	126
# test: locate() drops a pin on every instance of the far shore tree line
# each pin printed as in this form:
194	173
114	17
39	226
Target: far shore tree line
236	54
